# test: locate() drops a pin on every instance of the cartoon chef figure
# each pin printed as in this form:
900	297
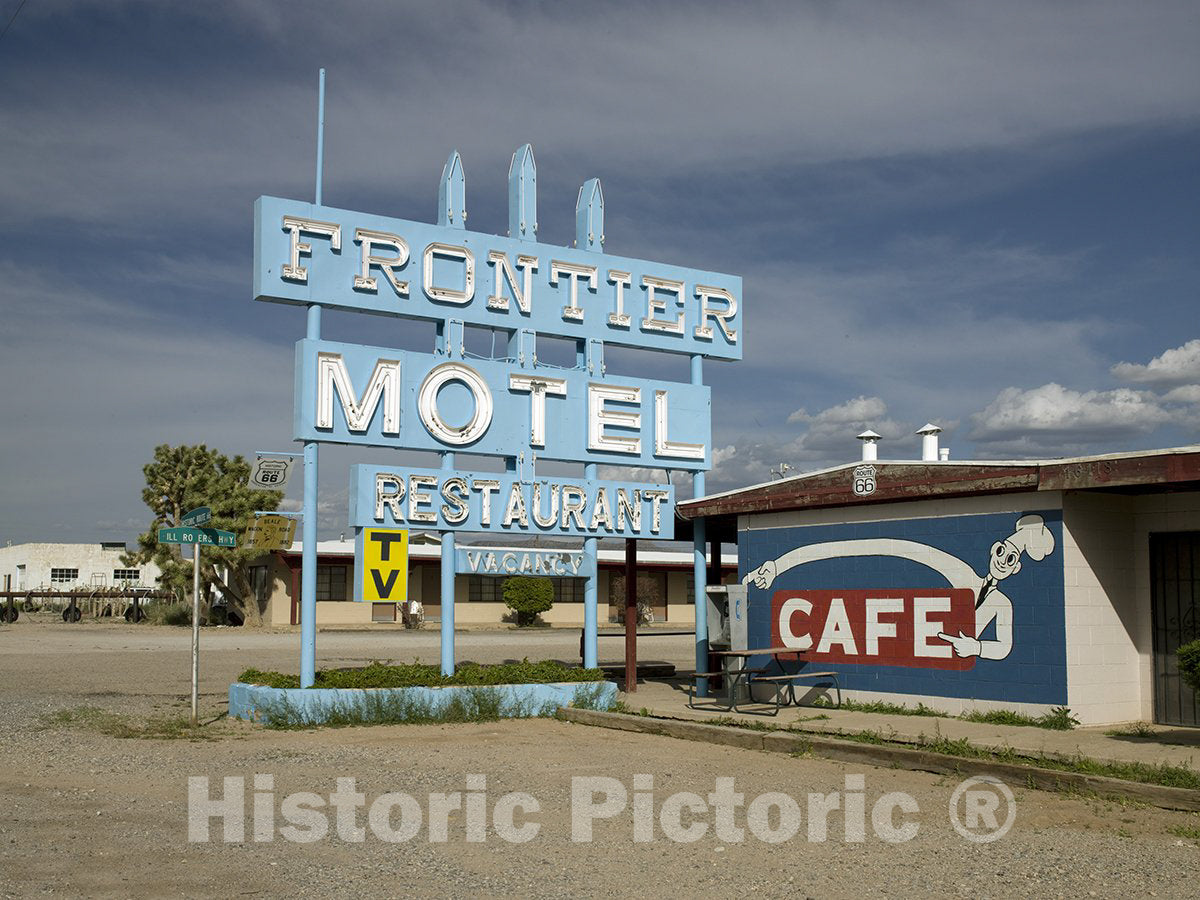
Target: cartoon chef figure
1031	537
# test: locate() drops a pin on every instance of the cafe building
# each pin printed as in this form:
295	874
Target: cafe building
1023	585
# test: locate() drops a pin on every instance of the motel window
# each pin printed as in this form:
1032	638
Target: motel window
331	582
63	576
490	589
568	590
485	589
127	574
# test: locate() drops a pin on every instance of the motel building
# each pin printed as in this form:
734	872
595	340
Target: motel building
1023	585
665	579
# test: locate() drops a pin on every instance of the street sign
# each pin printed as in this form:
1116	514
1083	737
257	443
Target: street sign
384	555
271	472
210	537
270	533
201	515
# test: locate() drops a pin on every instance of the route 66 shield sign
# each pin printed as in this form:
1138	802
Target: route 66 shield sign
864	480
271	472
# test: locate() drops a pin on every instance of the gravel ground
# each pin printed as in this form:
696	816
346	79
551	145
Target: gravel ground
90	814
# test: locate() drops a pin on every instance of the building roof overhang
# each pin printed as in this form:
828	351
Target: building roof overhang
895	481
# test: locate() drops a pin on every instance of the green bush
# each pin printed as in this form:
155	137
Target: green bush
379	675
1189	664
528	597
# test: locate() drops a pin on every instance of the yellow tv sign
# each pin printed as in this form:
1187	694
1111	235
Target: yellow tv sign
381	558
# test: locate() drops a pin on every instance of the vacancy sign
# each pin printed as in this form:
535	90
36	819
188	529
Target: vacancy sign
383	573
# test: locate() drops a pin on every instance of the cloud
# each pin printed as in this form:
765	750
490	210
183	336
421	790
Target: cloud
1177	366
1188	393
103	128
1054	419
861	409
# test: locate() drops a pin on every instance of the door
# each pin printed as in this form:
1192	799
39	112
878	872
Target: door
1174	576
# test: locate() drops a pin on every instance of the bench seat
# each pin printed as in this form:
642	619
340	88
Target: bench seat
790	681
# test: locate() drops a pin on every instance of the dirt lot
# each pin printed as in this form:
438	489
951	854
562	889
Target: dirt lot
87	812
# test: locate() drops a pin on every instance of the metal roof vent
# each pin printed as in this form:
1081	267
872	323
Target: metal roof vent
929	442
870	441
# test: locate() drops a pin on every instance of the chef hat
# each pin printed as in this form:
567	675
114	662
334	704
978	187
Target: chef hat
1033	537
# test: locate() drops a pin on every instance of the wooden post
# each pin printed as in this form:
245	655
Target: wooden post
715	575
631	615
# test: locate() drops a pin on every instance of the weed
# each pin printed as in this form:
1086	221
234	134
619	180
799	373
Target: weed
1135	729
1191	832
1144	773
738	723
1058	719
591	696
879	706
476	704
92	718
169	614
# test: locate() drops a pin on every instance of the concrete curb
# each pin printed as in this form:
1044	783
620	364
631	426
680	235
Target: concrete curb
886	756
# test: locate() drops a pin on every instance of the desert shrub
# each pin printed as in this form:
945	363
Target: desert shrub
169	614
528	597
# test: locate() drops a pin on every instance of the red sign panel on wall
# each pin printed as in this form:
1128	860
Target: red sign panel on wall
876	627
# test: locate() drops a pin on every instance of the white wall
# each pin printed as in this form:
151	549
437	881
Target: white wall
90	559
1107	627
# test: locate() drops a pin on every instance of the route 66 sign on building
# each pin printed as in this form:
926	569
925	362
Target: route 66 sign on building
864	480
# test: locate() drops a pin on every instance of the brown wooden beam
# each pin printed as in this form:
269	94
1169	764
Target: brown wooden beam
631	615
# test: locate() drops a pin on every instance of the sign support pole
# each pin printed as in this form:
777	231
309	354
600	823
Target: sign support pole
447	624
308	533
589	589
195	634
699	562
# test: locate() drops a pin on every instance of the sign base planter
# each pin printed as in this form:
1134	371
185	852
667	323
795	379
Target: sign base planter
345	706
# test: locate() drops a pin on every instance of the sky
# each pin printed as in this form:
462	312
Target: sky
978	214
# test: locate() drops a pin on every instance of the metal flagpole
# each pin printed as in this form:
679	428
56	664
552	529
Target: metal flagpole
308	534
699	567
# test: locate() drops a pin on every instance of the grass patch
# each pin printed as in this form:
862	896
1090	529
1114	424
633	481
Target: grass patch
1191	832
883	708
1143	773
473	704
1160	774
592	696
380	675
1058	719
745	726
102	721
620	706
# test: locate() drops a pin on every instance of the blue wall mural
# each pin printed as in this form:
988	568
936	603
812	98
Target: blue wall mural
963	606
